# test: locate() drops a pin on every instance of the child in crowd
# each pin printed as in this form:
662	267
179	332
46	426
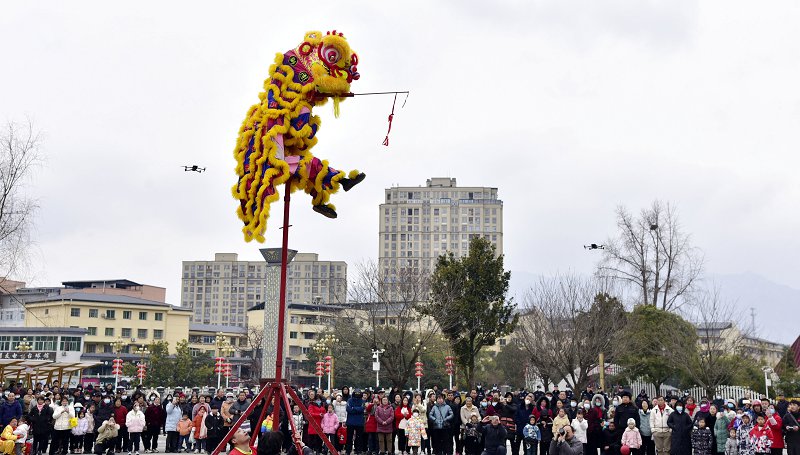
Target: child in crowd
531	436
473	439
702	439
200	430
631	437
330	423
79	432
22	434
184	430
732	445
415	431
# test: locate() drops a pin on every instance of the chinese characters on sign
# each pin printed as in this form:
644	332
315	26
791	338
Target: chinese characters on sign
14	355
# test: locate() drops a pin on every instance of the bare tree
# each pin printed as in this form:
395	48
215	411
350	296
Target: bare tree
19	154
383	316
654	255
567	322
255	342
718	358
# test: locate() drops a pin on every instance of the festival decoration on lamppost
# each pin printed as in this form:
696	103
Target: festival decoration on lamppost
450	368
224	347
323	349
116	368
141	369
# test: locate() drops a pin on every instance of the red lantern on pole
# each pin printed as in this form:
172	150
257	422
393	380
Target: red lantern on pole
418	369
141	371
320	369
226	370
449	364
116	367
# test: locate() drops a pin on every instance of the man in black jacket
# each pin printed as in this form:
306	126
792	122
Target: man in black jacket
494	436
41	419
215	429
626	410
791	428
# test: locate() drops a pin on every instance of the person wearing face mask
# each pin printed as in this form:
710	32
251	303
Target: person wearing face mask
135	422
316	409
580	425
507	411
595	415
775	424
572	410
155	417
681	425
544	421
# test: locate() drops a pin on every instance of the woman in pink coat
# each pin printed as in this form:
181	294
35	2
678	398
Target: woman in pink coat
330	423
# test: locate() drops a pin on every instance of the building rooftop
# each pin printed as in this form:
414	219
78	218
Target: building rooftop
104	298
43	330
119	284
303	306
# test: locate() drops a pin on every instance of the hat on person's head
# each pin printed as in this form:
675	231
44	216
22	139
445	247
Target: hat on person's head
756	402
625	393
508	394
631	421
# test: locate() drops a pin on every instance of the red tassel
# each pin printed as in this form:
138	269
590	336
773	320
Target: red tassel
391	116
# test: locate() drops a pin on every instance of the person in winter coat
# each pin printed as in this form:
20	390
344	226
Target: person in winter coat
330	424
544	419
662	433
10	409
791	428
41	418
565	444
761	436
384	416
316	409
91	433
775	424
631	437
79	432
21	432
355	423
731	444
626	410
62	414
579	426
531	436
594	419
721	431
200	430
441	420
743	436
612	439
401	415
415	431
560	421
681	425
106	436
185	427
135	422
154	417
173	416
120	414
702	438
215	429
340	408
644	429
494	436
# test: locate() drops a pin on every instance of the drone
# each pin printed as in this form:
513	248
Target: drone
194	168
594	246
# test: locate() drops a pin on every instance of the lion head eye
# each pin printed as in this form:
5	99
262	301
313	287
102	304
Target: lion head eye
331	54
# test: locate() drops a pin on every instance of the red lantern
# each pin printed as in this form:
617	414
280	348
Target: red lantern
320	369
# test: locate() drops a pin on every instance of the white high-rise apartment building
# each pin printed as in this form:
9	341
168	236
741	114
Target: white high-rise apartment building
219	292
417	224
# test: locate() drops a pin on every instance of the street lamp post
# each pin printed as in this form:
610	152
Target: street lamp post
224	347
418	365
142	369
323	348
376	365
23	346
767	381
117	363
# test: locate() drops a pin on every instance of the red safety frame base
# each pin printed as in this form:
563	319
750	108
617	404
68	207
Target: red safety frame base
277	393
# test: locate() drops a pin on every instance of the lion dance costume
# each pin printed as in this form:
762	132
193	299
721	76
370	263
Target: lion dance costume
275	140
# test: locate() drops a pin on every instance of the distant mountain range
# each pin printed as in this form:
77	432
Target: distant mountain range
777	307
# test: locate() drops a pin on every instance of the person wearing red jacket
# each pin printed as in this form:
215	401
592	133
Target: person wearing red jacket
401	415
775	424
595	416
316	410
761	436
371	425
154	417
120	413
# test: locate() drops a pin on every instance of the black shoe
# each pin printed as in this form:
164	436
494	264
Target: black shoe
325	210
349	183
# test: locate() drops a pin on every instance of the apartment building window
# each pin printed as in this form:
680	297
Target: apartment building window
293	335
75	312
159	316
126	333
126	314
91	348
93	312
109	331
111	314
141	333
70	344
158	334
143	315
91	331
308	335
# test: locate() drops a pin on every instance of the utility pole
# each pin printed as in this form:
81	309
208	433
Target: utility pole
376	365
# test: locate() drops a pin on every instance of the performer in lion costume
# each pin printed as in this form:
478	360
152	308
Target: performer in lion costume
276	138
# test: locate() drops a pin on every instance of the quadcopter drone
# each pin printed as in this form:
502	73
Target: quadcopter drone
594	246
194	168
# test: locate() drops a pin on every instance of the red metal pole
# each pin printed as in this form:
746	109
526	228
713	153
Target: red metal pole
276	412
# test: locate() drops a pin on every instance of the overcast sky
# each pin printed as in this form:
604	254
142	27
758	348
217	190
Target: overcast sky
570	108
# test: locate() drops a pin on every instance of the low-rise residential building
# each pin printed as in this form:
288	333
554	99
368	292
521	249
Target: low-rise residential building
727	336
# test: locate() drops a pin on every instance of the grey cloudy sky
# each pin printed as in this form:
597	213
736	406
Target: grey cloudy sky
568	107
